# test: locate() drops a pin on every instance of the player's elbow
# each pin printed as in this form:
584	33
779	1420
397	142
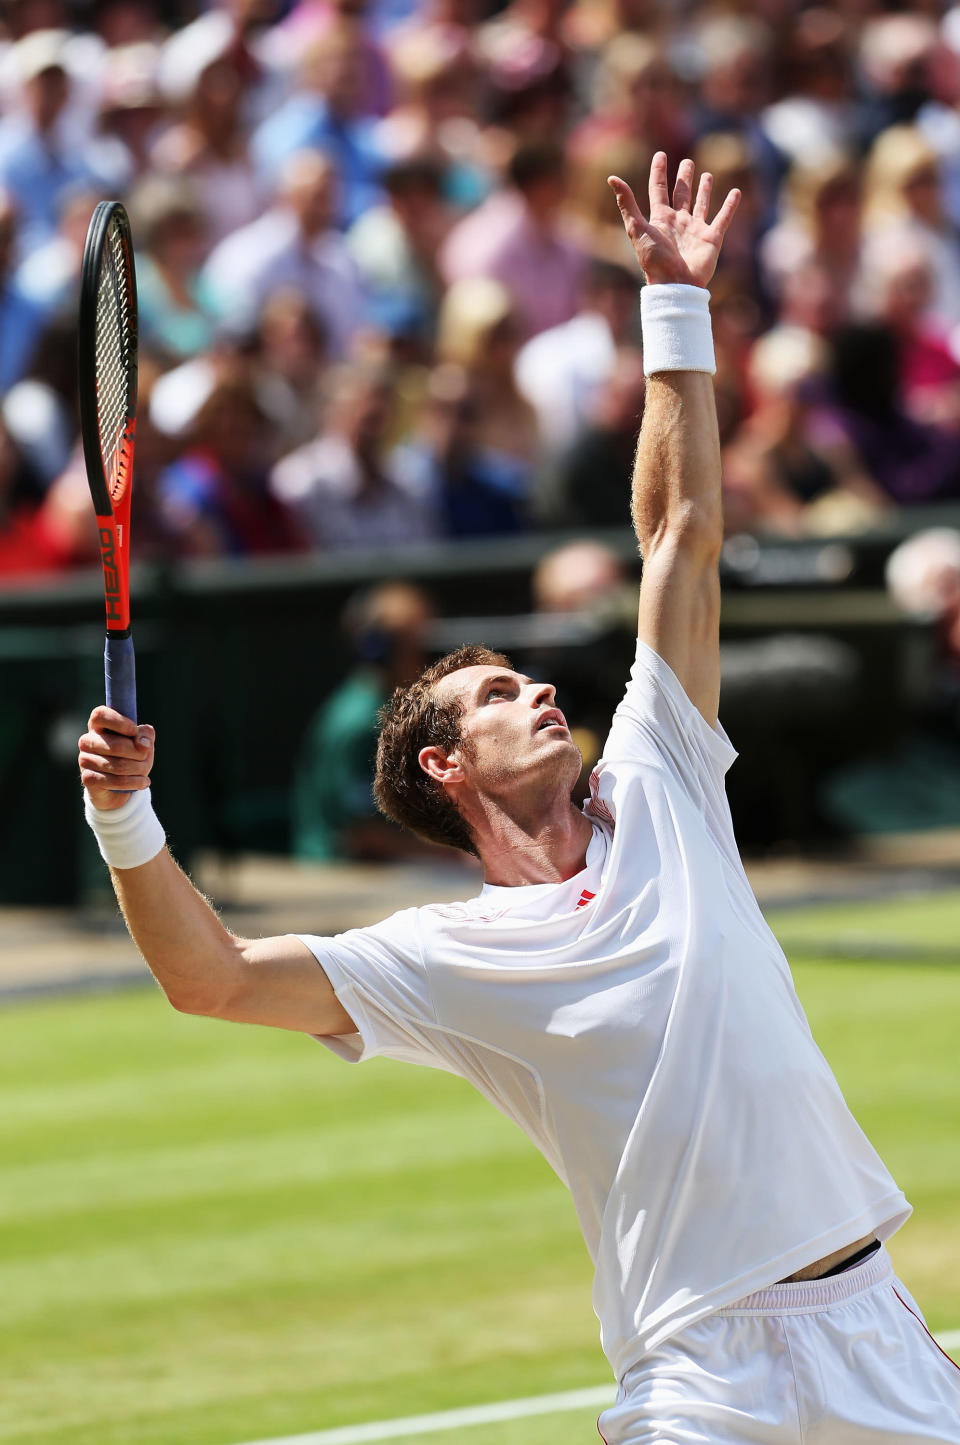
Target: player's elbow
192	998
208	990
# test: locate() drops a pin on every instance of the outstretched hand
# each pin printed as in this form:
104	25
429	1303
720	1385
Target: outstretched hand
677	243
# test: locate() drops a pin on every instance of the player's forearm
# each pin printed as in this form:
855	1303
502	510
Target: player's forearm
678	519
676	475
194	958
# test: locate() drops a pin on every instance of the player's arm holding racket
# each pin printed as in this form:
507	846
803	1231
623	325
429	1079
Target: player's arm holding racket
200	965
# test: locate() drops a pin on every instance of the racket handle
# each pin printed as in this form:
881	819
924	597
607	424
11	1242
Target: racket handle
120	676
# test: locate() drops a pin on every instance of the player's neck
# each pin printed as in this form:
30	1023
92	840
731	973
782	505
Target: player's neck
514	852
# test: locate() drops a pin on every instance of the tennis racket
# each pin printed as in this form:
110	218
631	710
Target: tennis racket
107	374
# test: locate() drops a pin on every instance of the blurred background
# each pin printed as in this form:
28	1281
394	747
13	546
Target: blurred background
391	382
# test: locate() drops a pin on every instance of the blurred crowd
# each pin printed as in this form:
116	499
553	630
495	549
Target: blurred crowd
385	297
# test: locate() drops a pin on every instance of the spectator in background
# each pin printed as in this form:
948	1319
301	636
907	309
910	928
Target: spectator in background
27	543
788	468
923	577
938	119
290	361
21	317
636	98
581	577
306	25
208	143
326	113
597	233
916	785
334	814
913	463
524	45
814	297
899	292
588	484
818	115
41	409
525	107
340	487
50	275
896	57
478	331
471	489
437	109
396	245
131	112
236	28
734	58
560	371
904	203
215	497
41	158
292	247
820	222
517	237
176	306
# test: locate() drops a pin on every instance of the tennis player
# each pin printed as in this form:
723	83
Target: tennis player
613	988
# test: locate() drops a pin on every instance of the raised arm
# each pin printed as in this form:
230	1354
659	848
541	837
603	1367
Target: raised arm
676	502
200	965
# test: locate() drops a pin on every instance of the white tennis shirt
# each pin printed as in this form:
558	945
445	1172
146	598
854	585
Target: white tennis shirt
639	1023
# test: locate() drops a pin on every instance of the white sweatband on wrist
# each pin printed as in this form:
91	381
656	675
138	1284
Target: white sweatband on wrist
677	335
129	835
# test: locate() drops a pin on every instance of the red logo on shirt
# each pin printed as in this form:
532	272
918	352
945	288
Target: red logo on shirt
585	898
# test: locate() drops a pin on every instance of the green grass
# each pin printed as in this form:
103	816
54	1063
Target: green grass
210	1234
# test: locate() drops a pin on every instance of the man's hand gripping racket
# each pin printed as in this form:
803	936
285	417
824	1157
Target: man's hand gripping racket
115	755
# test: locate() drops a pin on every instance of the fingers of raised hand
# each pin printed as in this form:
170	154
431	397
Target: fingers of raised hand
726	214
659	194
701	207
633	221
683	187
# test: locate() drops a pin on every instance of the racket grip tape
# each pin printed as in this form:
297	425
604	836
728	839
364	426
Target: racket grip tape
120	676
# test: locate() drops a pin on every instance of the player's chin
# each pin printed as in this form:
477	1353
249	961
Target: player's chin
561	755
560	738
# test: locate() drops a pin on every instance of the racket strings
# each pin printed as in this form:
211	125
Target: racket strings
113	345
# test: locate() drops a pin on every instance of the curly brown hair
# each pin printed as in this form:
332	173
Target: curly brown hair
414	719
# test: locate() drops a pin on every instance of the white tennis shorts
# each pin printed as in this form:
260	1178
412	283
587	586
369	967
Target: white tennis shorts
841	1361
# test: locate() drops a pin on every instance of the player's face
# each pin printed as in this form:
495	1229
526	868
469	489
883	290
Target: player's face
511	727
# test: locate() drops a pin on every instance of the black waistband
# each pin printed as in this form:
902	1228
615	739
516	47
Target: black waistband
853	1260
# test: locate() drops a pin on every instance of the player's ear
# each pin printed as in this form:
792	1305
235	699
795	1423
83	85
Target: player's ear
442	767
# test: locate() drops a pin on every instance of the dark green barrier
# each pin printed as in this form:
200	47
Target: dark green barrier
234	658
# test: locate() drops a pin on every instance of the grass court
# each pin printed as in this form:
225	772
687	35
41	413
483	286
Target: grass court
212	1234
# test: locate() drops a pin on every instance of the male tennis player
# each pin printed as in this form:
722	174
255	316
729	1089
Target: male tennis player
613	988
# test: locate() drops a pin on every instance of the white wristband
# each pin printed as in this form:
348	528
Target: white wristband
677	335
129	835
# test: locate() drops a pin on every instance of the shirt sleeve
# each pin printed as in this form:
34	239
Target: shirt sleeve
378	975
657	724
